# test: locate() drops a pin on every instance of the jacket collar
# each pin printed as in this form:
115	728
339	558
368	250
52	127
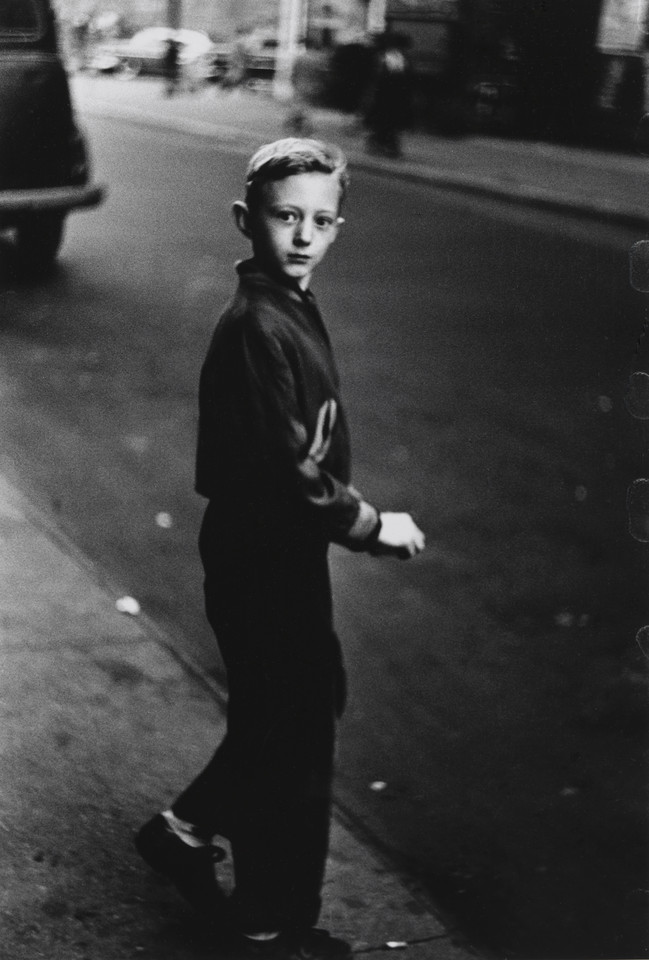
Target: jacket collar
251	272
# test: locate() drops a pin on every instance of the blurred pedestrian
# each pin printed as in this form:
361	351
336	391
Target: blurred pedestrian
274	463
298	122
81	34
171	67
236	72
389	102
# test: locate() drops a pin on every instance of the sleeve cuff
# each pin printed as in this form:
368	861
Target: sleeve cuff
365	524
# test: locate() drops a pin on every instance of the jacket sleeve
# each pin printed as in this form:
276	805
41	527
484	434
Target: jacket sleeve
288	452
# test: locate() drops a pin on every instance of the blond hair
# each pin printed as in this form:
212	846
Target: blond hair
291	156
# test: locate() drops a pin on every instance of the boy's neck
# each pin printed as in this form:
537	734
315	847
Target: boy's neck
278	276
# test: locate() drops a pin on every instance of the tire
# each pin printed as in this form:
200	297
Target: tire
132	68
38	241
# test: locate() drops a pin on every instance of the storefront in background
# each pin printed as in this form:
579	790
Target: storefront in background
622	42
435	31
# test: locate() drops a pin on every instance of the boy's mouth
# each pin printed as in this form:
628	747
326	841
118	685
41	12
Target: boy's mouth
299	257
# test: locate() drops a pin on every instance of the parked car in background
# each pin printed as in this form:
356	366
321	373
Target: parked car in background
44	167
144	53
261	55
104	58
261	50
221	56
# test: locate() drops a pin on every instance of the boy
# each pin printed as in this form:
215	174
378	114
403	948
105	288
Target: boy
273	461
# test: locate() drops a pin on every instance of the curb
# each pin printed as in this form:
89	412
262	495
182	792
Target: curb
47	525
519	194
241	141
235	138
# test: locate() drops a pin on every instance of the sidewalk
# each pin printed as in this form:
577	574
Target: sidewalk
101	723
589	183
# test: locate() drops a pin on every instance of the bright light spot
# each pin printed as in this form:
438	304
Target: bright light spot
564	619
128	605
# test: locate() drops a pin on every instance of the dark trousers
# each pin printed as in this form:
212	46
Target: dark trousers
268	785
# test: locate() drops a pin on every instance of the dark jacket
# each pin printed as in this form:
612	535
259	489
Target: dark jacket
273	443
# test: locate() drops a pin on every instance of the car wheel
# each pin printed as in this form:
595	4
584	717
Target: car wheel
133	68
38	241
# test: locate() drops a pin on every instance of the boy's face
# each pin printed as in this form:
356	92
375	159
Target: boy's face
295	224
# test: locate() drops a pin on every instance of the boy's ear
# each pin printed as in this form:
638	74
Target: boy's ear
242	217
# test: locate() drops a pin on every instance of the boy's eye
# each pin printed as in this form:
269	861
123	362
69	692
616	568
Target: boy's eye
325	223
287	216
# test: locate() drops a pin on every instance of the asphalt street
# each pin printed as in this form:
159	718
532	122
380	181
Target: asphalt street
495	737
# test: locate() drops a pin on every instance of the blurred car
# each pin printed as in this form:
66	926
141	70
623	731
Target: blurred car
221	55
261	50
44	167
104	58
144	53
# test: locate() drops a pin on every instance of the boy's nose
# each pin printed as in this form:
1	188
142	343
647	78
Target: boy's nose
303	232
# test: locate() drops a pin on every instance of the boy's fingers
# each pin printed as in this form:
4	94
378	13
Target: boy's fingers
418	543
410	550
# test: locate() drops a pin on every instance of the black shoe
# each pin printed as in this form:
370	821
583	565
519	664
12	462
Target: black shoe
191	869
312	945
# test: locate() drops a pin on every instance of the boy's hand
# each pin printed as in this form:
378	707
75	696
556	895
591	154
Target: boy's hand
399	535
